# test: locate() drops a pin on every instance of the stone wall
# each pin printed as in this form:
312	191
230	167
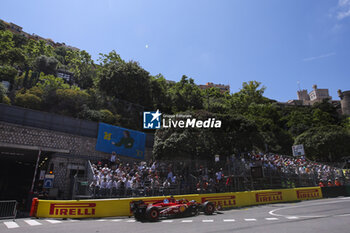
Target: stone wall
30	136
76	145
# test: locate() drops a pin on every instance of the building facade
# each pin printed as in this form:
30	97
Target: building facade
223	88
314	96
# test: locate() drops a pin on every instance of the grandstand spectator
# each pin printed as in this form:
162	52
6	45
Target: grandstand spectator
330	184
337	182
166	186
113	158
104	186
219	175
321	184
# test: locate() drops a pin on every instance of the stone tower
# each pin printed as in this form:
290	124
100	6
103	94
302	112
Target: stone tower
345	101
303	95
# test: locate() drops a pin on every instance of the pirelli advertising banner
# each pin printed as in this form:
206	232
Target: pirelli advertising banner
121	207
308	193
93	208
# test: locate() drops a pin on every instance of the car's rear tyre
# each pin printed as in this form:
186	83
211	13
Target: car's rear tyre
208	208
152	214
139	217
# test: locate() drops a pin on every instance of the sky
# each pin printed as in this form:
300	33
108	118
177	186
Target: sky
285	45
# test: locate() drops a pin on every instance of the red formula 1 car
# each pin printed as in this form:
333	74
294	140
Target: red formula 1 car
169	208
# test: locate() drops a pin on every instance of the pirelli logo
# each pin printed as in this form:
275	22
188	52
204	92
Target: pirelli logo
269	196
308	193
81	209
222	201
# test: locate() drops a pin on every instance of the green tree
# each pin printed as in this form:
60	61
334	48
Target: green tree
14	56
60	54
28	100
19	40
321	118
6	41
2	26
297	119
327	107
216	101
81	64
326	143
251	92
125	80
8	73
47	65
49	84
34	49
159	92
237	134
186	95
3	92
70	101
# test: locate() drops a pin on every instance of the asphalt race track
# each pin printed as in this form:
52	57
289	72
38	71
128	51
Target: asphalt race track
326	215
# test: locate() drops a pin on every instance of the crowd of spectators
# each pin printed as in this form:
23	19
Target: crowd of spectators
295	165
117	178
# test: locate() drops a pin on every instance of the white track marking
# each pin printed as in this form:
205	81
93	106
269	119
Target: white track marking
167	220
33	222
208	220
53	221
187	221
116	220
250	219
292	217
343	215
298	206
102	220
11	224
229	220
131	220
271	219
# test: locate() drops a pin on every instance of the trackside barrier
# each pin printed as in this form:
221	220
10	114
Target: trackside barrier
8	209
336	191
121	207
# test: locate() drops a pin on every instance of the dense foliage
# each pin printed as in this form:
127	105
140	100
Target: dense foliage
117	92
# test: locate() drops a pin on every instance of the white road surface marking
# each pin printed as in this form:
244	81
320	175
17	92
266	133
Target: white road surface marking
187	221
292	217
229	220
272	212
131	220
33	222
11	224
116	220
208	220
167	220
271	219
250	219
53	221
343	215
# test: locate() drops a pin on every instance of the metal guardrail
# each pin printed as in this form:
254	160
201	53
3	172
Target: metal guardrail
8	209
